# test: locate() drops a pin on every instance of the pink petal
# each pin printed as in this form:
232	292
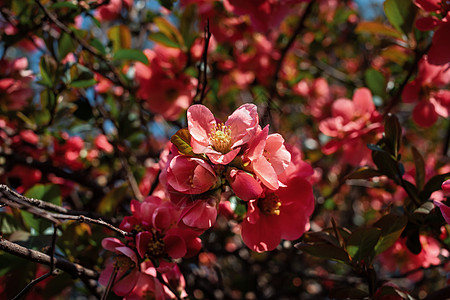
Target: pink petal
124	286
201	215
362	100
439	53
244	185
111	244
200	123
243	123
427	23
265	172
175	245
446	187
343	108
257	144
424	114
276	153
262	236
222	159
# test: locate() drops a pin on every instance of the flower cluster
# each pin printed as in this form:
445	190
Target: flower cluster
157	241
211	157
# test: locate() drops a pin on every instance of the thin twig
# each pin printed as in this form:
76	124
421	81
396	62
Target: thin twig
110	282
51	272
13	199
42	258
161	279
203	68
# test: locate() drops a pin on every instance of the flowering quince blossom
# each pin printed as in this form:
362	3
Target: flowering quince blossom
264	14
439	53
125	264
428	88
399	258
15	84
111	10
280	214
221	142
163	86
352	122
158	240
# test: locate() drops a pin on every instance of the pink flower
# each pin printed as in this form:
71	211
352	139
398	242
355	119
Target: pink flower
398	257
280	214
190	175
268	157
221	142
124	265
101	142
162	85
428	88
244	185
15	84
264	14
111	11
352	125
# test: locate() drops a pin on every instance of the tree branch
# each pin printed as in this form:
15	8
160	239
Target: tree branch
202	72
42	258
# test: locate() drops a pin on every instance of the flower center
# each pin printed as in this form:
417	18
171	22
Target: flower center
220	138
270	205
124	262
148	295
155	247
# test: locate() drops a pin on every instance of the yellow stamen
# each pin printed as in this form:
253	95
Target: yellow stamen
220	138
124	262
270	205
155	247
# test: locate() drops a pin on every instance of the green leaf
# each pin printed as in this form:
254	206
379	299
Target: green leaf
131	54
167	3
413	242
364	173
361	243
325	251
111	200
434	184
375	81
378	28
392	133
182	140
412	190
48	67
420	168
391	228
83	83
84	110
386	164
98	45
63	5
425	208
120	36
400	14
162	39
66	44
169	30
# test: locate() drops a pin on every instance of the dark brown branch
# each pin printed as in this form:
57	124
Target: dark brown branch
13	199
42	258
52	271
203	68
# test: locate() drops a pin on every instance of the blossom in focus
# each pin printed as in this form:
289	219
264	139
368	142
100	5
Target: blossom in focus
221	142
